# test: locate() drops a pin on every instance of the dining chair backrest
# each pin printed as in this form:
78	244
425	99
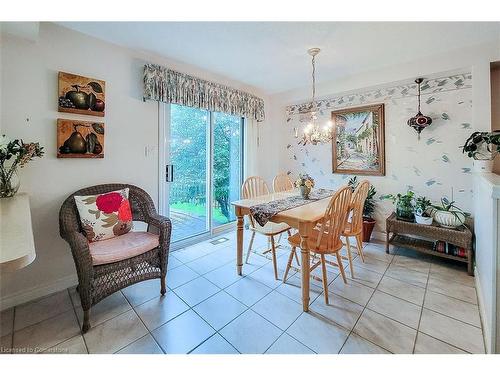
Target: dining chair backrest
282	183
335	219
357	205
253	187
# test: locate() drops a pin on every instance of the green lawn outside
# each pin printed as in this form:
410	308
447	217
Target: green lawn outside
199	210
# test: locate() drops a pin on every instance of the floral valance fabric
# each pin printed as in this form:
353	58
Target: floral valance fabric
166	85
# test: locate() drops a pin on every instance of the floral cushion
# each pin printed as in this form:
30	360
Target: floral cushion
105	215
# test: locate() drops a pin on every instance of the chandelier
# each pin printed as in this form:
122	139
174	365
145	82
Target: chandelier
313	133
419	122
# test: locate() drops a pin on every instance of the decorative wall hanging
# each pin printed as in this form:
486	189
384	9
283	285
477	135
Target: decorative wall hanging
313	133
80	139
166	85
358	145
419	122
82	95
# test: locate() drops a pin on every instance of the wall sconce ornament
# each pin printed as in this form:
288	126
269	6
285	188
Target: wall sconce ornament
419	122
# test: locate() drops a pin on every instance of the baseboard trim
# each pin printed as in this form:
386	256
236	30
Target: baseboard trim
37	292
482	314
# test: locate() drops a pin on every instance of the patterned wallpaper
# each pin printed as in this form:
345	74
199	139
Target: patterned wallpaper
433	166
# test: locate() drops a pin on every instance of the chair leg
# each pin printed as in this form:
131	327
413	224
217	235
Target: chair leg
359	242
250	247
289	263
325	279
163	288
349	255
86	321
275	265
297	258
341	266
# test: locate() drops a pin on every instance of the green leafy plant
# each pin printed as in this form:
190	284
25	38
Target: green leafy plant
482	145
449	206
369	206
422	205
405	204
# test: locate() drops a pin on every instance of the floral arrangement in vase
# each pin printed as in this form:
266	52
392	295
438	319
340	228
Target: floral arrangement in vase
304	183
14	154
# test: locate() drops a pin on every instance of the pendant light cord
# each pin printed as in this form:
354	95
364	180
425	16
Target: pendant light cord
313	79
419	97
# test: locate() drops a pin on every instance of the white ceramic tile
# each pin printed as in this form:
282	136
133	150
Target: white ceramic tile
265	275
370	263
75	297
250	333
191	253
6	322
377	252
220	309
196	291
387	333
317	333
6	344
278	309
451	331
293	289
398	288
452	307
207	263
143	291
352	291
41	309
145	345
365	277
358	345
105	309
182	334
286	344
456	290
339	310
415	264
395	308
179	276
223	276
115	334
46	334
74	345
161	309
215	345
248	291
429	345
453	273
173	262
407	275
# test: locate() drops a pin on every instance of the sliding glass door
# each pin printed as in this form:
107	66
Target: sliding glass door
203	171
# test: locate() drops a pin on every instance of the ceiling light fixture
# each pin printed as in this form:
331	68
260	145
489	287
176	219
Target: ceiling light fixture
313	133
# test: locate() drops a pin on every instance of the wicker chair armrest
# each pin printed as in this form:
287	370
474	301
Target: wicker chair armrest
81	254
164	226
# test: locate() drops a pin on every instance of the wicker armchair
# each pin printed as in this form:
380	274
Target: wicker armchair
96	282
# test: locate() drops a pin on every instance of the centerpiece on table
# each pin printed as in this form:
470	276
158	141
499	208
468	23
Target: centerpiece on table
304	183
14	154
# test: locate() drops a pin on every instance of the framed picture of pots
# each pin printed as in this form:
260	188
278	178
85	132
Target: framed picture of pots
80	139
359	140
82	95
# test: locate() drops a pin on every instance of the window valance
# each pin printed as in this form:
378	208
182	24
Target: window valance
166	85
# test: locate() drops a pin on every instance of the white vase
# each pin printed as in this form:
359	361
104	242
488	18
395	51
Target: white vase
423	220
449	219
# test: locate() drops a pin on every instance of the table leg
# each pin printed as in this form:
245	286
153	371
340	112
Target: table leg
305	265
239	241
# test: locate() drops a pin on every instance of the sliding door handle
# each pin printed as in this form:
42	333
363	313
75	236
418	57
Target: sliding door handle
169	173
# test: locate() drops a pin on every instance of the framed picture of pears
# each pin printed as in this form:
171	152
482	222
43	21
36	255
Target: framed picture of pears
81	95
80	139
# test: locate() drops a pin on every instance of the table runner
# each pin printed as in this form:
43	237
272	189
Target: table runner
263	212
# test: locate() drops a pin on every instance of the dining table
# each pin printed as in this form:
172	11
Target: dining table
303	218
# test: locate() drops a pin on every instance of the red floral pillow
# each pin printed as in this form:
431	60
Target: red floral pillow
106	215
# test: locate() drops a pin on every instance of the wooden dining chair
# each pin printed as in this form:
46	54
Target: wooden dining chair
354	226
282	183
325	238
253	187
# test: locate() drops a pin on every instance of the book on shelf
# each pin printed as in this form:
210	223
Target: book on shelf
450	249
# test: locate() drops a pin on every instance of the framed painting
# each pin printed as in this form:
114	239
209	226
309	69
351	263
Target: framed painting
80	139
359	140
82	95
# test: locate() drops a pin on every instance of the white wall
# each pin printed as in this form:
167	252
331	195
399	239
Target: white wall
29	111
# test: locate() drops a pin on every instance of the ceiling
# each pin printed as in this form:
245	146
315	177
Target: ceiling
272	55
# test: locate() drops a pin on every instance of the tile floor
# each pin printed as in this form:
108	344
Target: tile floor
401	302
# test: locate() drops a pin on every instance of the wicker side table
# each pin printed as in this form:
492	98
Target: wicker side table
397	232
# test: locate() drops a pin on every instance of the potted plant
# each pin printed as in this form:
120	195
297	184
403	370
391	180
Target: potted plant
483	147
368	209
422	212
305	183
448	215
404	205
13	154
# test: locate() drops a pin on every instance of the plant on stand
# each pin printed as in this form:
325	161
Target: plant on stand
368	209
304	183
13	154
405	204
483	147
422	211
448	215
